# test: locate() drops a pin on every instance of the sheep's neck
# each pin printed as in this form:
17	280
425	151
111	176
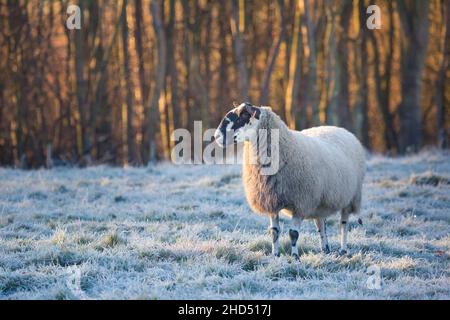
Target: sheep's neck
258	151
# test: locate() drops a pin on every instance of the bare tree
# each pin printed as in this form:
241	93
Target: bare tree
441	103
239	49
362	117
144	85
294	72
152	111
172	63
330	52
383	82
312	93
273	54
82	91
414	19
343	101
131	147
223	84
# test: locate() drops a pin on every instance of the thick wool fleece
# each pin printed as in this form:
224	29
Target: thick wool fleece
321	171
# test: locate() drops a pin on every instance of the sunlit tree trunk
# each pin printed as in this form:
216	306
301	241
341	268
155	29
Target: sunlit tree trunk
343	100
363	126
383	83
131	147
294	73
331	69
441	100
157	94
224	98
311	99
287	43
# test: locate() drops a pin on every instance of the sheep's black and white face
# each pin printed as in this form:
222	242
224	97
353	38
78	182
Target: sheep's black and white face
237	123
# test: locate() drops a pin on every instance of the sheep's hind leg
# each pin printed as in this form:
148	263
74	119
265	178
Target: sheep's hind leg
274	230
322	229
293	235
344	231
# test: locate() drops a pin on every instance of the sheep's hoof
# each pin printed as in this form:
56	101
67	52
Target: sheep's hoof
326	250
343	252
275	254
295	256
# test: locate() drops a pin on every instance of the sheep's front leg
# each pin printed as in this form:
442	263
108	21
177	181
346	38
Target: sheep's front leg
322	229
344	231
274	230
293	235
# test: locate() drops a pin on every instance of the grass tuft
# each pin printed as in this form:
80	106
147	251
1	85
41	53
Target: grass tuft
112	240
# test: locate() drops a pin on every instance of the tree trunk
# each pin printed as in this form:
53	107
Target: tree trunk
131	147
330	66
287	40
206	53
152	110
172	65
199	88
274	50
312	94
100	86
187	57
239	50
383	84
441	110
363	127
223	86
81	93
414	19
143	84
343	100
294	73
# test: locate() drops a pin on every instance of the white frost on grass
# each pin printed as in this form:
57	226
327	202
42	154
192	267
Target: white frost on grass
186	232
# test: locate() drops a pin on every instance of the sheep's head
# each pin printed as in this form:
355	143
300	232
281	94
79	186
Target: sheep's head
237	124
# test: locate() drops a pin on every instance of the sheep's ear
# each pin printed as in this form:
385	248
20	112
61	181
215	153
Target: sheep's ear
253	110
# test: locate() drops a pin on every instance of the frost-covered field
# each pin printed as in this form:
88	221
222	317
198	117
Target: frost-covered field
186	232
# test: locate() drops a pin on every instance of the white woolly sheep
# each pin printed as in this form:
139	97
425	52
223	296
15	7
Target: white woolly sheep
320	172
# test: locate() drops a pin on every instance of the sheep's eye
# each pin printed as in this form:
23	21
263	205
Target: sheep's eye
243	118
244	115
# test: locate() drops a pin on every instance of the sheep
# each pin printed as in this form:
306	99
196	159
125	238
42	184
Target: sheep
321	172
